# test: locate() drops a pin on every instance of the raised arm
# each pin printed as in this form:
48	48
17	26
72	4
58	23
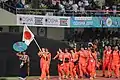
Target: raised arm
56	55
19	55
40	53
49	59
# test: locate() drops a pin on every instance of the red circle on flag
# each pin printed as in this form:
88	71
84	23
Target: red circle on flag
27	35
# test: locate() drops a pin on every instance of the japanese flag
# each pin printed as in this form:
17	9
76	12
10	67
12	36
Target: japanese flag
28	36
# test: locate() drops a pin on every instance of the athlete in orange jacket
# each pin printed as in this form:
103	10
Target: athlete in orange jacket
77	65
88	51
106	60
67	58
48	54
115	59
82	62
43	63
73	64
92	62
103	66
60	56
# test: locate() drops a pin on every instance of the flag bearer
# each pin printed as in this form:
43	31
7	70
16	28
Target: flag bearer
24	66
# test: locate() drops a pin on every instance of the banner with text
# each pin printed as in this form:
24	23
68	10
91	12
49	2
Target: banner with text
95	22
57	21
45	21
85	22
110	21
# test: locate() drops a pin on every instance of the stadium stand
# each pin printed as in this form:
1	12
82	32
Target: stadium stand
63	8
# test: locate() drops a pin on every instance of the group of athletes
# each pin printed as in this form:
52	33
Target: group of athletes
81	63
74	64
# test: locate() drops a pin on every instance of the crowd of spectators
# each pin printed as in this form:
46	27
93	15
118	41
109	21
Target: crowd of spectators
62	6
14	3
87	35
101	37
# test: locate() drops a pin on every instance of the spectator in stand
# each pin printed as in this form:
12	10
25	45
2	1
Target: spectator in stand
86	4
43	5
19	4
3	1
114	8
75	7
27	6
80	3
81	6
63	2
57	7
107	10
68	6
62	8
71	2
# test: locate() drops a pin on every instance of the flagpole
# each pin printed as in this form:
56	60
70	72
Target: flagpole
36	43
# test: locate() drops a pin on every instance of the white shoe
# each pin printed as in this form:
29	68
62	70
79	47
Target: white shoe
20	78
95	76
60	78
24	79
76	77
48	77
91	78
44	79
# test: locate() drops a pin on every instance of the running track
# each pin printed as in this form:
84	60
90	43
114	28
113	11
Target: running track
56	78
99	74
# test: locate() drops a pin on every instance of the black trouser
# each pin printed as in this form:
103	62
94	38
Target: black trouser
23	71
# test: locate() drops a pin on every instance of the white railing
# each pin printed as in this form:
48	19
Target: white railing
69	12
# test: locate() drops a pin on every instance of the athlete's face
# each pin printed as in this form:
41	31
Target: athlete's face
71	51
116	48
74	49
66	50
89	49
86	48
109	47
23	53
82	49
43	49
106	47
46	50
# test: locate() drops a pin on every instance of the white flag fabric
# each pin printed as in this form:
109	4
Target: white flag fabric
28	36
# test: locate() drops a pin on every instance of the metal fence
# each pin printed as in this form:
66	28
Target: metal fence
69	12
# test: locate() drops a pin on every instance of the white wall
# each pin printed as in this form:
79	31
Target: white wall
55	33
7	18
